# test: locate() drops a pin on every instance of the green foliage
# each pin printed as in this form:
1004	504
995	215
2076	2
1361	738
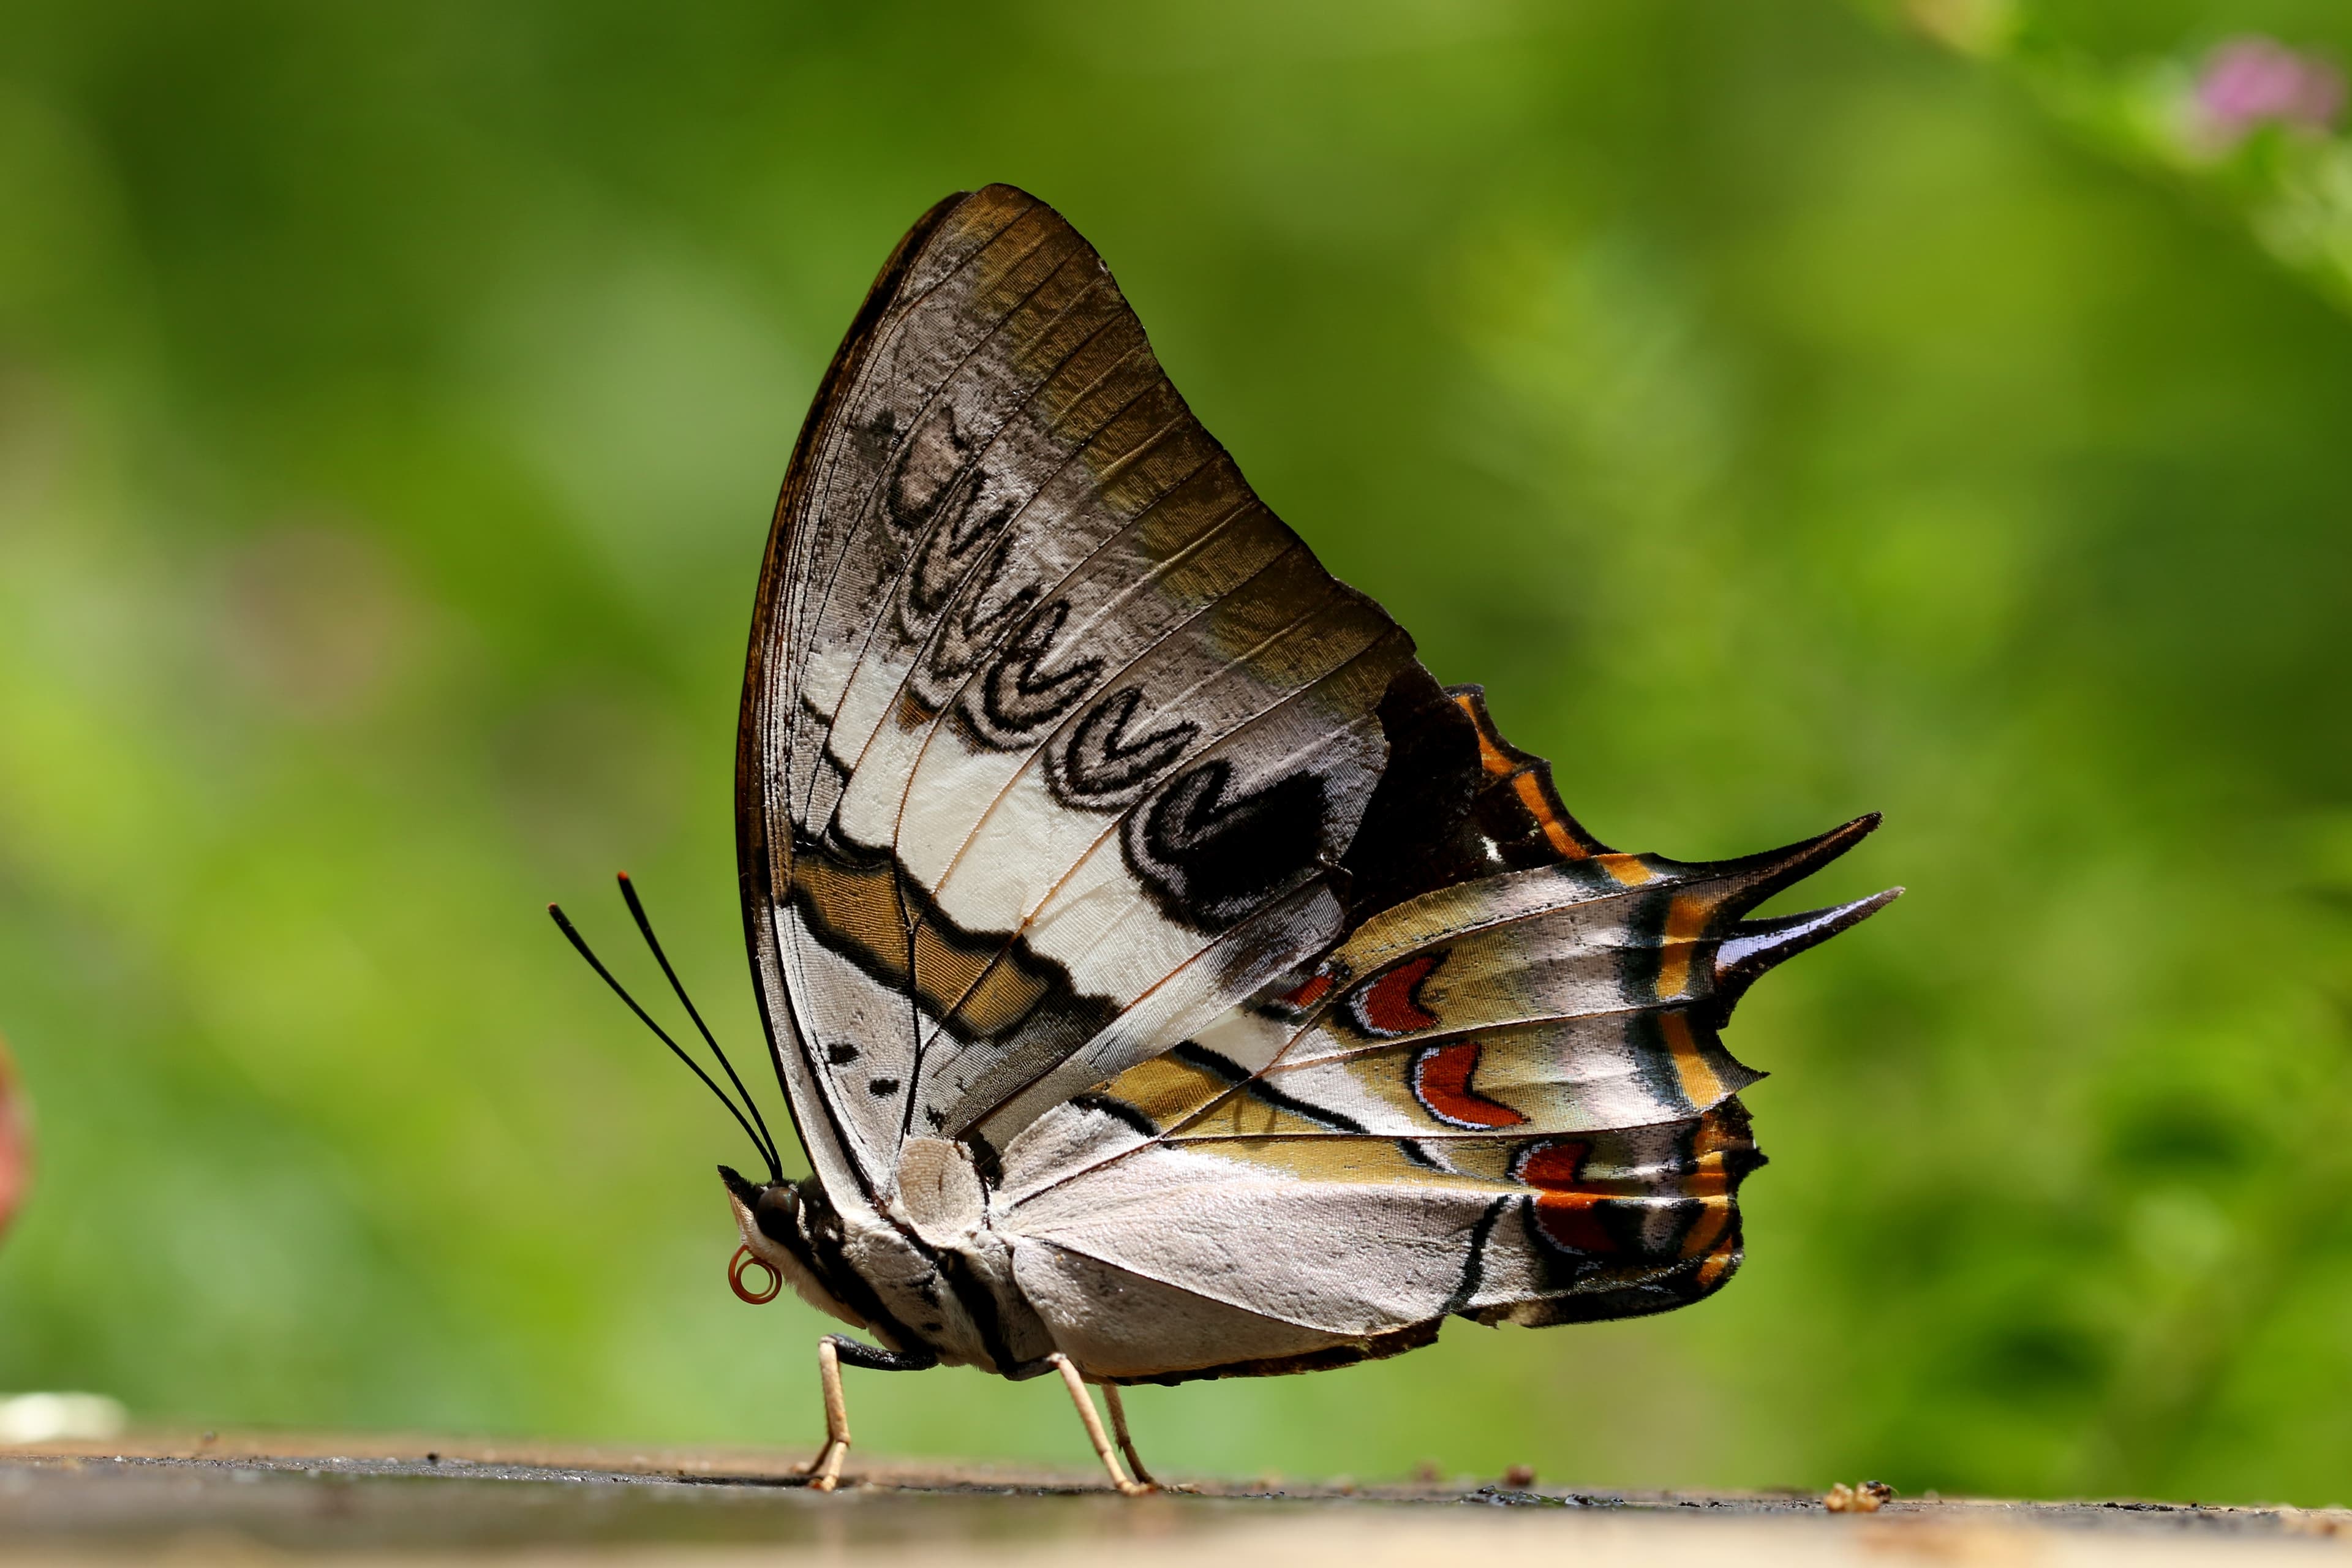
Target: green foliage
1783	416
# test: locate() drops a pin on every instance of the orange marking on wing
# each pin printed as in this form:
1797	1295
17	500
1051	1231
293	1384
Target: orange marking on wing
1565	1210
1389	1006
1490	756
1531	796
1685	917
1627	869
1709	1179
1714	1219
1718	1263
1700	1086
1440	1082
1528	785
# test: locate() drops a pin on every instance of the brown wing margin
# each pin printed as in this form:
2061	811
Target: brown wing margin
1518	806
764	860
1458	802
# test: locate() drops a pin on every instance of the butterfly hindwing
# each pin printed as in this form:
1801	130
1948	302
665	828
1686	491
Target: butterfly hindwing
1505	1098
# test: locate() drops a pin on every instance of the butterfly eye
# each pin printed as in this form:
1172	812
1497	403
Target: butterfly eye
777	1213
745	1258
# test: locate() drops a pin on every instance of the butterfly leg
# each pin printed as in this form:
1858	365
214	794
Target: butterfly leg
824	1471
1126	1442
1076	1384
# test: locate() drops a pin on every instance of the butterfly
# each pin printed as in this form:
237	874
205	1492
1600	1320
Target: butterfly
1167	978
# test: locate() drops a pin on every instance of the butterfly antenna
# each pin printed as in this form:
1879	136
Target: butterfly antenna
637	909
580	944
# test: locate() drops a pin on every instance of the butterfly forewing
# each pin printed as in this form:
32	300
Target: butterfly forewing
1059	720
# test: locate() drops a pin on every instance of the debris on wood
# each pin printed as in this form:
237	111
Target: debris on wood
1866	1497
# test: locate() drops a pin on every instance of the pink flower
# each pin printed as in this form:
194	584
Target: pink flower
2250	81
14	1155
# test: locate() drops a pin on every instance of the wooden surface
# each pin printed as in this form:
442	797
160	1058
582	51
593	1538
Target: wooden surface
279	1498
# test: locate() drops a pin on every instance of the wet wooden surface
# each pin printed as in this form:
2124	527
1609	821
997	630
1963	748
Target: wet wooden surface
280	1498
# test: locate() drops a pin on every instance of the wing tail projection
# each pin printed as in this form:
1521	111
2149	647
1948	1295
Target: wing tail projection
1752	947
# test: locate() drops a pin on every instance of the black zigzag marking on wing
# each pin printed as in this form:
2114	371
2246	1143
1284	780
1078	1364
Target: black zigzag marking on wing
1018	694
1103	759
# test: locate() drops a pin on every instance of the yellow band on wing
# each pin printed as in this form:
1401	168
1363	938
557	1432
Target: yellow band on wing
1686	919
1700	1085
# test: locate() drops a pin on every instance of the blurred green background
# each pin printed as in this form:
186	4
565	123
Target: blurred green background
1786	410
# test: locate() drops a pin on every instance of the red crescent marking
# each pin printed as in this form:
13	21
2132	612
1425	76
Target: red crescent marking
1440	1082
1388	1006
1564	1211
1306	995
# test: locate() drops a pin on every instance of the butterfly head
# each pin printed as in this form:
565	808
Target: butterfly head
769	1216
783	1223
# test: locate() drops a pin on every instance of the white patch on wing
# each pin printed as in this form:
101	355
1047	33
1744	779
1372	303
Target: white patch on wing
863	706
952	783
871	802
824	674
1101	926
1463	907
1029	843
1246	1037
841	1008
